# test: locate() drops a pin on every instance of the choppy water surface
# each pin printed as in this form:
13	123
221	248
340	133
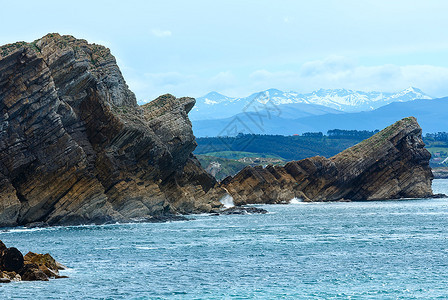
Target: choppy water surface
386	250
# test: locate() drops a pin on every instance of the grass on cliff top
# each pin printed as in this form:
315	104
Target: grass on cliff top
96	53
9	48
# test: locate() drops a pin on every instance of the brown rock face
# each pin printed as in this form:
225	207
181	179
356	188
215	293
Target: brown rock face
76	148
45	263
391	164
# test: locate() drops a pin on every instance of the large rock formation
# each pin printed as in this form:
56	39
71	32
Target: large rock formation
76	148
391	164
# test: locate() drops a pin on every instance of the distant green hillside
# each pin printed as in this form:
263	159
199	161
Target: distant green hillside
437	145
287	147
234	153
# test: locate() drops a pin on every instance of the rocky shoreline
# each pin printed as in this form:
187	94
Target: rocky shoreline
76	148
14	266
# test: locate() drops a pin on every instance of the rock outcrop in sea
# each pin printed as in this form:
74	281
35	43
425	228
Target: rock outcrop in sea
75	147
392	164
31	267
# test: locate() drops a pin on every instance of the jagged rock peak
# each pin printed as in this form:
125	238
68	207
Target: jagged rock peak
391	164
66	52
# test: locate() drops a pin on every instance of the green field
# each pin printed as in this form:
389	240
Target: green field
433	150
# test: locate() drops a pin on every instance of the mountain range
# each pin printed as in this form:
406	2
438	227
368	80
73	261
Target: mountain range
217	106
430	113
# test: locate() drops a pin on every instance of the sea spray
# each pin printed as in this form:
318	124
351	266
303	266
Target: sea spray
295	200
227	201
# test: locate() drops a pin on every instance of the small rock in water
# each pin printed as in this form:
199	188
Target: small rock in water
31	272
16	267
243	210
160	219
45	263
344	200
437	196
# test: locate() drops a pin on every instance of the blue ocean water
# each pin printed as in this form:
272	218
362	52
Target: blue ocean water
363	250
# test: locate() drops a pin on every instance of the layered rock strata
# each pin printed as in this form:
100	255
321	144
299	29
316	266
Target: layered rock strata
76	148
391	164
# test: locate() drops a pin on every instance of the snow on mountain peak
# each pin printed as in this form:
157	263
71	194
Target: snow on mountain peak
340	99
409	94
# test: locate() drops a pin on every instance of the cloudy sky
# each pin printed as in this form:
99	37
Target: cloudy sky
189	48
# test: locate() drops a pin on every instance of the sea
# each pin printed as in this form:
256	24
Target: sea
340	250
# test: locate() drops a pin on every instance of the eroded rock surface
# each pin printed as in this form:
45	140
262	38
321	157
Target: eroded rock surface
76	148
391	164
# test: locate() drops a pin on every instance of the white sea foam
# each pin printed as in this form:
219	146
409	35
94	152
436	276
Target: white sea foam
107	248
24	229
295	201
227	201
146	248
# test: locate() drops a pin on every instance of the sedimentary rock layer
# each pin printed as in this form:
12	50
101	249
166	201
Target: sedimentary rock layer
391	164
76	148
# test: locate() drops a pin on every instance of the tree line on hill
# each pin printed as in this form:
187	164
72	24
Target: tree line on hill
438	136
297	146
288	147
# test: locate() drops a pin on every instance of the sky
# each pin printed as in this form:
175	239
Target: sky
190	48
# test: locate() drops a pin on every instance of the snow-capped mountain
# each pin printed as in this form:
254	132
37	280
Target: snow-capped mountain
217	106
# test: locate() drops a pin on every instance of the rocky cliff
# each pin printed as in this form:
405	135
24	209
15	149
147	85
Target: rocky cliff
391	164
76	148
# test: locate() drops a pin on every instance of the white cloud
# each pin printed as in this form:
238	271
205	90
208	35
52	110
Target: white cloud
340	72
332	64
266	75
333	72
161	33
222	81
